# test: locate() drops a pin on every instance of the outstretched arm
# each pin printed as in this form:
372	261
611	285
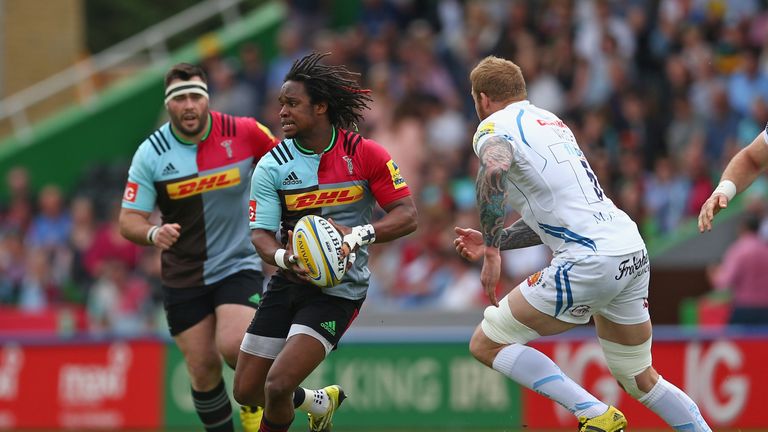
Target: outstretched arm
741	171
495	162
469	243
518	235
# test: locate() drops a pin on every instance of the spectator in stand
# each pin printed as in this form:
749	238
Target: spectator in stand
253	74
50	229
685	129
119	301
748	83
37	290
13	265
16	213
81	238
742	273
665	193
290	47
700	182
233	96
110	246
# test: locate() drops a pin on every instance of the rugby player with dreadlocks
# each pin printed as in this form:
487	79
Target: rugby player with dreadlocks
325	169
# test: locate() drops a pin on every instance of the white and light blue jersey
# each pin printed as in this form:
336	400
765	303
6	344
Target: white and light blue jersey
553	187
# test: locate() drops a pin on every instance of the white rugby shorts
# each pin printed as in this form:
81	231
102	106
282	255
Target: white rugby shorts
574	289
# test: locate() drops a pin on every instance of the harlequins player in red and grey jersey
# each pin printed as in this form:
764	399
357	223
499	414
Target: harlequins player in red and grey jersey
195	168
320	168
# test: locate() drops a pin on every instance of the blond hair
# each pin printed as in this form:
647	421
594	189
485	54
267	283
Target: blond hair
500	79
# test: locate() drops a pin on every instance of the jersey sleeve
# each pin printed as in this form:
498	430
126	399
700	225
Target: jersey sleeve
485	130
140	193
384	178
264	203
260	138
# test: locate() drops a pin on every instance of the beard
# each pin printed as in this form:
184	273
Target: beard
178	123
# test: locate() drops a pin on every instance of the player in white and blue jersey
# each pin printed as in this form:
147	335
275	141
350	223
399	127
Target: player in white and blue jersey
530	160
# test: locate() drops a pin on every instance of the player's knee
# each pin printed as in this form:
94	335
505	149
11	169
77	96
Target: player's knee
278	387
501	327
245	394
479	346
229	354
631	366
647	379
204	372
498	329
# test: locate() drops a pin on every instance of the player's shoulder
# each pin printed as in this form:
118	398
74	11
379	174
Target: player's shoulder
230	125
487	127
283	154
357	146
156	144
227	124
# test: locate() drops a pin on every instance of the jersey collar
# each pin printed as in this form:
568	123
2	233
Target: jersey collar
310	152
190	143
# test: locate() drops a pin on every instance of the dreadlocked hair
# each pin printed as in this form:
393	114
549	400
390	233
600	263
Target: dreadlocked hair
335	85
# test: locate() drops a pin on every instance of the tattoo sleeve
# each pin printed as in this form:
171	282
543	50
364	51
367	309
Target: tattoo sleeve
495	161
518	235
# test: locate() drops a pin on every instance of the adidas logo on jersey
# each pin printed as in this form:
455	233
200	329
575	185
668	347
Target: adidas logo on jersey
170	169
292	179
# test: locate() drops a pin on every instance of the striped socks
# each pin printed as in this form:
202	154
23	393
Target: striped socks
214	408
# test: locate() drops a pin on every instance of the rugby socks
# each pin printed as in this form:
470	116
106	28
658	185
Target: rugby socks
675	407
214	409
315	402
268	426
539	373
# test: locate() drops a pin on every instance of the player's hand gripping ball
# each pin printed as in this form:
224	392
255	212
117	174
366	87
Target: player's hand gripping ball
317	247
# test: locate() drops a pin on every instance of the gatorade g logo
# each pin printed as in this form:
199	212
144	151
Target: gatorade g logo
397	180
131	189
198	185
252	210
323	198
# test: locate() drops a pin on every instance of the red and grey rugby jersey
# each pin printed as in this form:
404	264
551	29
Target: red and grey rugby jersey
344	183
202	187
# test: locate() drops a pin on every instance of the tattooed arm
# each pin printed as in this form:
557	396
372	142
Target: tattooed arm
495	161
518	235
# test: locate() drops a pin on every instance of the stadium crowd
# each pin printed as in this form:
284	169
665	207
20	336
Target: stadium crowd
659	94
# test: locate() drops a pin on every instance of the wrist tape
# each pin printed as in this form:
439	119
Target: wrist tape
152	234
727	188
361	235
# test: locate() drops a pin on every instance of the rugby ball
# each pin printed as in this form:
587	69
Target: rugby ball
317	246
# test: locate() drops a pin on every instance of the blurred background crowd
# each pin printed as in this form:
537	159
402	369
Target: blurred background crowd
659	94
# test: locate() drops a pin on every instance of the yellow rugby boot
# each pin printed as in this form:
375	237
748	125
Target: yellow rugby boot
612	420
322	423
250	418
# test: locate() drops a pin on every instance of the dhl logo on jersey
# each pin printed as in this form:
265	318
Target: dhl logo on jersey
324	198
198	185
